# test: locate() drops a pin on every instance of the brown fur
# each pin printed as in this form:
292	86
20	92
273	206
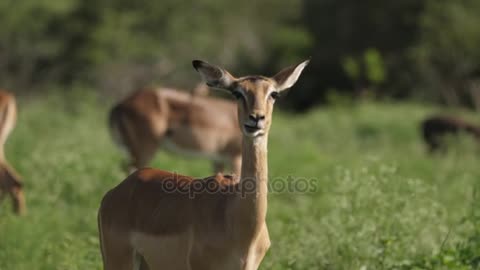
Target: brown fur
201	89
150	119
435	128
10	181
149	222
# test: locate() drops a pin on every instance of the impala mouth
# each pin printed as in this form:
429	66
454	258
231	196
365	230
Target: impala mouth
252	131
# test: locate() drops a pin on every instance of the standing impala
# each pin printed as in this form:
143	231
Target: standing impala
10	182
161	220
179	122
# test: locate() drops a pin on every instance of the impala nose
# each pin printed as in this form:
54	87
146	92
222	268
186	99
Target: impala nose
257	117
257	120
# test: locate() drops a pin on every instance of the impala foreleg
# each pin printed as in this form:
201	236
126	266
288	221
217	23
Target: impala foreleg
12	185
18	199
117	253
258	250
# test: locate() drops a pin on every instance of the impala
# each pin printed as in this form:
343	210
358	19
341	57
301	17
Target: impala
149	221
10	182
436	128
191	124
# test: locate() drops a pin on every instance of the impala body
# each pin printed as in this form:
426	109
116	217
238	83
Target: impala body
435	128
162	220
10	182
194	125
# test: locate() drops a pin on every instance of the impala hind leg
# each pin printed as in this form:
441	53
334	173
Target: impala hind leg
144	155
218	166
140	153
140	156
18	199
134	135
237	164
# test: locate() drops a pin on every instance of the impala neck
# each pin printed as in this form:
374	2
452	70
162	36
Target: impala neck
254	180
254	165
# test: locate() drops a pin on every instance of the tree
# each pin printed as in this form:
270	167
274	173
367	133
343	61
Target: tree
447	56
357	44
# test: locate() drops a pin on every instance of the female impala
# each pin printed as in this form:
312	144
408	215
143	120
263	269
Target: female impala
153	220
10	182
178	122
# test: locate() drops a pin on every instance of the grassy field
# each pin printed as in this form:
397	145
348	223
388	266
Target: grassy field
376	201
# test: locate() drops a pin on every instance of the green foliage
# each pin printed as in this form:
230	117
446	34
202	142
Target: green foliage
369	67
351	67
464	255
374	65
409	48
426	49
125	44
378	201
447	54
27	39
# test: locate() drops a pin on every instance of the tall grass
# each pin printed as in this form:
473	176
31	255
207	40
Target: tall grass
376	201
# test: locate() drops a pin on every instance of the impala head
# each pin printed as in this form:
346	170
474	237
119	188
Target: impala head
255	94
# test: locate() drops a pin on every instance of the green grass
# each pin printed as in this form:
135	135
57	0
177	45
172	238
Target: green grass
378	201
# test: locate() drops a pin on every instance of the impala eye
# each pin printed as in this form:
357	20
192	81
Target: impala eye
237	94
274	94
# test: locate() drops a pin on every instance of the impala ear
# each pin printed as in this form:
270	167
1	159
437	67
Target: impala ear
214	76
289	76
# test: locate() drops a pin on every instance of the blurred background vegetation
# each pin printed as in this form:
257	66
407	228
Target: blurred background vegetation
410	49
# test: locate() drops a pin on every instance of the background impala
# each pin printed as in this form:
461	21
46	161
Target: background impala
10	182
189	124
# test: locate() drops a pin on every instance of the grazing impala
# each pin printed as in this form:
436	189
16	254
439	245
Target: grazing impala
435	128
161	220
10	182
179	122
